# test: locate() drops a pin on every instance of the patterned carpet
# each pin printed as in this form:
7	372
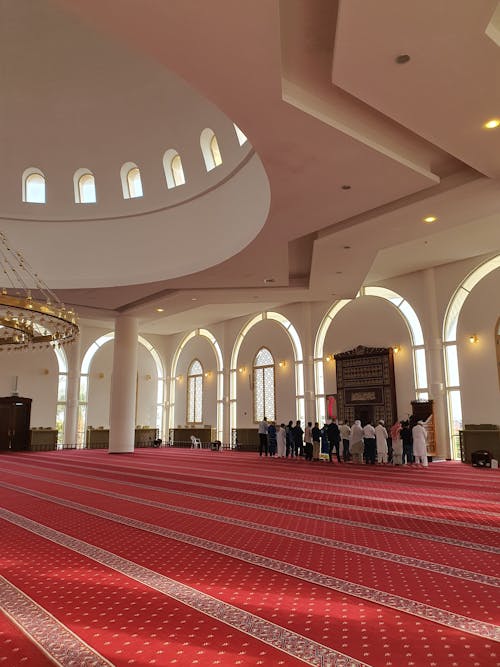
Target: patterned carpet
192	557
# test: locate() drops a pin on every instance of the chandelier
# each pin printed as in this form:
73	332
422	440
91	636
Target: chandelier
27	320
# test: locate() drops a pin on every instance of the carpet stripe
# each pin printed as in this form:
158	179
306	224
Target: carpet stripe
289	642
426	565
309	515
57	641
427	612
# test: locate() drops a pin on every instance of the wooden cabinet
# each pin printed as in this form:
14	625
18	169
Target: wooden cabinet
43	440
479	437
424	411
97	438
15	412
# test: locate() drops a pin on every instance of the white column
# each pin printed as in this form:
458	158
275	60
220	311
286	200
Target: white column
436	364
123	386
73	352
308	343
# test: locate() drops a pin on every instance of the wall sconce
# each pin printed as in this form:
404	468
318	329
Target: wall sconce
179	378
208	374
100	376
242	369
396	349
282	364
329	358
45	371
148	377
473	338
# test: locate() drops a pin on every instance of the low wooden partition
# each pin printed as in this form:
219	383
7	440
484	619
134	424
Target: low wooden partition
98	438
476	437
181	437
43	439
245	439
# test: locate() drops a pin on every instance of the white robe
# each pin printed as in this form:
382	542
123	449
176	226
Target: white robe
381	438
281	439
419	435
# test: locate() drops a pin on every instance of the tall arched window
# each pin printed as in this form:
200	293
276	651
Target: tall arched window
84	186
131	180
172	165
33	186
210	149
195	393
263	386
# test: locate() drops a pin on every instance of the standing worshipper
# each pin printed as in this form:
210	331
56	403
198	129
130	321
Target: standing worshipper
281	439
370	443
419	435
316	437
308	442
381	442
289	439
345	434
271	438
262	431
397	444
298	442
405	435
334	440
325	445
356	444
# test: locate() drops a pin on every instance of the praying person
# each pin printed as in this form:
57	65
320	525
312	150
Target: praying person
419	435
381	442
281	439
397	444
356	444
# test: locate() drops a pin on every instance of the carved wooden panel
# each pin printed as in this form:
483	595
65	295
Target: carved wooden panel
365	385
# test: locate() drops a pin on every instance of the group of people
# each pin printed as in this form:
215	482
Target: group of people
404	445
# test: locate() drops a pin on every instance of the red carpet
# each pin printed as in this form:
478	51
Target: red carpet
181	557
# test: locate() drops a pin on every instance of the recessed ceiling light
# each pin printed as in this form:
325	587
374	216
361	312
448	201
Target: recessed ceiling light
402	58
347	247
269	280
159	310
430	219
492	124
345	187
194	298
338	272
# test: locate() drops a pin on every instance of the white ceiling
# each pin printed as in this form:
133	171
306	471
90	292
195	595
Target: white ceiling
315	87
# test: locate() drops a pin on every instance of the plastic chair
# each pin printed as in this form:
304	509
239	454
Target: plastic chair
195	442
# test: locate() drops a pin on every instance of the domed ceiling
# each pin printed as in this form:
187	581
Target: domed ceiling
80	101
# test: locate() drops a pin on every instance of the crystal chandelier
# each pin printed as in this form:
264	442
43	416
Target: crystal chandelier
28	321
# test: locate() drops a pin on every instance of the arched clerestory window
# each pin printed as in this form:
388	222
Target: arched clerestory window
242	138
33	186
84	187
263	386
172	166
130	175
210	149
195	393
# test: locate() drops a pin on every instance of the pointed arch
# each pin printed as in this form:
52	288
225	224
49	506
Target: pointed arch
298	361
194	408
414	328
220	377
84	384
264	394
450	349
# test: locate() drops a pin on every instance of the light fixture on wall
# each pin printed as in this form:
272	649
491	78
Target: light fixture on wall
29	320
179	378
329	358
242	369
148	377
208	374
100	376
473	338
396	349
282	364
